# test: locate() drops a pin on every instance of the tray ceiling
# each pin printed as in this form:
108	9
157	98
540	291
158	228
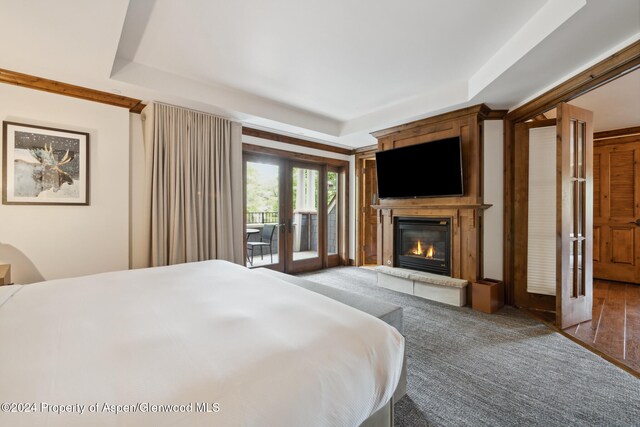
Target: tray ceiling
332	70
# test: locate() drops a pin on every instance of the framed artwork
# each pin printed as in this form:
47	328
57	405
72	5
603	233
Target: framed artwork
44	166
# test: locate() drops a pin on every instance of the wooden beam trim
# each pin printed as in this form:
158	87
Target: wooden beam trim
295	141
137	109
481	109
496	115
60	88
366	150
616	133
622	62
259	149
617	140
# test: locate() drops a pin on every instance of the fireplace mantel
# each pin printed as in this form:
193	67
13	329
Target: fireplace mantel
392	205
465	236
465	212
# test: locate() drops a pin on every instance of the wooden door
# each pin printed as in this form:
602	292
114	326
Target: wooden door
574	204
616	210
369	215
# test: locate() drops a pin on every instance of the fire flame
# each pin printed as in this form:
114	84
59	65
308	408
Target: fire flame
429	253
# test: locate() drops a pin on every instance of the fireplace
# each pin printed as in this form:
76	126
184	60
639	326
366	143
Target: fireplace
423	244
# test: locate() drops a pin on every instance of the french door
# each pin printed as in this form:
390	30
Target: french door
305	219
554	215
574	286
294	214
264	207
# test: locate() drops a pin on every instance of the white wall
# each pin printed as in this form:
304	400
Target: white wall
315	152
493	195
49	242
139	238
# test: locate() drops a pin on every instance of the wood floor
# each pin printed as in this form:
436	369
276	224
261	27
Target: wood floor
615	327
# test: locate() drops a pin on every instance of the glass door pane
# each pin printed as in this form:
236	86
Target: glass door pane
578	207
333	214
263	219
305	224
574	228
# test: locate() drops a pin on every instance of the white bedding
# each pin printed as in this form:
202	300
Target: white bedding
266	352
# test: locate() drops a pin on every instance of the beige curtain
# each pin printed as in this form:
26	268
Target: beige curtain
193	166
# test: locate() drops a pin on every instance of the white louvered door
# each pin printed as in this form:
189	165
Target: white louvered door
541	245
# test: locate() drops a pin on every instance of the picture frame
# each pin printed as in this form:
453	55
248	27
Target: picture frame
44	165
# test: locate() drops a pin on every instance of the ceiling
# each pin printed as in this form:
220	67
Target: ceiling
332	71
615	105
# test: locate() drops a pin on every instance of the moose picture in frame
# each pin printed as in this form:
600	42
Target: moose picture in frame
44	166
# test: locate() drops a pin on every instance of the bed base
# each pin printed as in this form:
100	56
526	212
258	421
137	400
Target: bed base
383	417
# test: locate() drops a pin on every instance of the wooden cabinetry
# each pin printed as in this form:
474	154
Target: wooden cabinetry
465	212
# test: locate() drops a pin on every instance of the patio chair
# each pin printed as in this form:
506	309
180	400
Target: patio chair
266	236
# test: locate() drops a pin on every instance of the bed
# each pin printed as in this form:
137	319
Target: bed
208	343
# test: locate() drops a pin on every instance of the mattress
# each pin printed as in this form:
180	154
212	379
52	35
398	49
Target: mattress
208	343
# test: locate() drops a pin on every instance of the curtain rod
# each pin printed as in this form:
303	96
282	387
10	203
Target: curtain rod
196	111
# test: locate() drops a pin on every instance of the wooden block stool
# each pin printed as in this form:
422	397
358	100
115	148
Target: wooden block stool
487	295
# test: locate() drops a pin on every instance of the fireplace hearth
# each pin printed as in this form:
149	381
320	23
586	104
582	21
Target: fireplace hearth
423	244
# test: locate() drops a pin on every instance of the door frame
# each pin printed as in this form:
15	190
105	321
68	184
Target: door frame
362	154
335	259
521	297
617	65
325	163
271	160
622	140
315	263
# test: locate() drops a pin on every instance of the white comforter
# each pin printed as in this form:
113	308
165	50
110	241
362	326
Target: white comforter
251	350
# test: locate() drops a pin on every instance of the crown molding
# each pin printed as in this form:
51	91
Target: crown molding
38	83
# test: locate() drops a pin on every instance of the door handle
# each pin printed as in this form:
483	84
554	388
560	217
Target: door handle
283	225
636	222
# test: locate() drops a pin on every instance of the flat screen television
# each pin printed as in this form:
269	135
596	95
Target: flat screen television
431	169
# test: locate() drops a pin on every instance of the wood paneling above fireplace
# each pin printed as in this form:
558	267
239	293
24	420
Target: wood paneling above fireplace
465	212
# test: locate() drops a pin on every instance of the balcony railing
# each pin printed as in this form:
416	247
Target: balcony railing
262	217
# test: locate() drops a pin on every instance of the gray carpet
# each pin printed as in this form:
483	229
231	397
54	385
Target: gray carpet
466	368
